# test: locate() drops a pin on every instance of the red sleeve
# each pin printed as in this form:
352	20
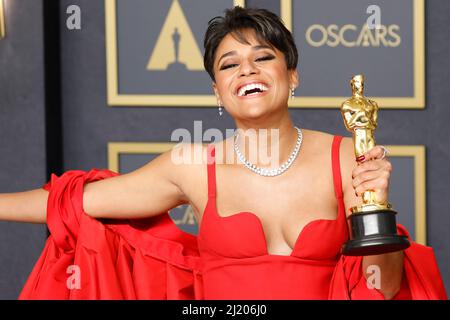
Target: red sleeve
86	258
421	277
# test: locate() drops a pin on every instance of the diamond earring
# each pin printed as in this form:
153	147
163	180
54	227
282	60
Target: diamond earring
220	108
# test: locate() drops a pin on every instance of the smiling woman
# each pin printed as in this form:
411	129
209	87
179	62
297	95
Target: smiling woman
250	78
267	231
249	54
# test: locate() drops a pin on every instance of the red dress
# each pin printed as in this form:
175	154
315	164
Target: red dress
153	259
238	266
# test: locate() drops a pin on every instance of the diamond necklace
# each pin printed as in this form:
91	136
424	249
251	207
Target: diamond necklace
275	171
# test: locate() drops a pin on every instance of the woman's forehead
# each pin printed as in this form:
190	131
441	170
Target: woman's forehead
241	39
244	36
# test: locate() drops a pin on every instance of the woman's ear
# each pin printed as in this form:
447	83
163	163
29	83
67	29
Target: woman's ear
216	93
294	78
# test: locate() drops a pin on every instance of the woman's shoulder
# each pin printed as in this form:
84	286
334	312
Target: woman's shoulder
189	154
188	161
322	134
318	146
321	141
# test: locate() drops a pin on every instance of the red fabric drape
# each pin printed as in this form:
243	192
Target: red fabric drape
86	258
140	259
421	277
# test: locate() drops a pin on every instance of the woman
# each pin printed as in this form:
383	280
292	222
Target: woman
276	236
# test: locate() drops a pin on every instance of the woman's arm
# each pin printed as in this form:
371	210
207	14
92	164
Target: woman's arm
371	175
149	190
28	206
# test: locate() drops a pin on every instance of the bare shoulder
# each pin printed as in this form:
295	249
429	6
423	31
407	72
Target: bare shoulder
187	154
322	142
316	153
188	165
317	142
181	165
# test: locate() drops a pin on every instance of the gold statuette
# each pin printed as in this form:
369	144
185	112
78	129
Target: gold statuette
372	226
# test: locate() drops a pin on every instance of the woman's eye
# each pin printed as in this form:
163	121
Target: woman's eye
228	66
266	58
232	65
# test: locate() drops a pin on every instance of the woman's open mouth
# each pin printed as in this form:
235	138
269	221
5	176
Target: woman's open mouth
254	89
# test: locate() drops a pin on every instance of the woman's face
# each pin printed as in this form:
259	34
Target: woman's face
251	80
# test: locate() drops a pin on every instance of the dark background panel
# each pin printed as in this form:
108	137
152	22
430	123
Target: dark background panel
402	192
134	52
22	136
381	65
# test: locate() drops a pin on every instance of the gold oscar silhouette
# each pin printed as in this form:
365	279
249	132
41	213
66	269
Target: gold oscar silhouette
176	65
176	48
372	226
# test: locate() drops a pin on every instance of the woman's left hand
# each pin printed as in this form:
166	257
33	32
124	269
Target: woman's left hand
373	173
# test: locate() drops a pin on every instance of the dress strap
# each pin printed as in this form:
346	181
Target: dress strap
336	164
211	167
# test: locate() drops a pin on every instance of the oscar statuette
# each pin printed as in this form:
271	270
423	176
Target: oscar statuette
372	226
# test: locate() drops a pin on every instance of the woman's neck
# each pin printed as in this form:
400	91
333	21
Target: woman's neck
268	143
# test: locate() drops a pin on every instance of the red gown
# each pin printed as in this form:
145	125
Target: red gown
153	259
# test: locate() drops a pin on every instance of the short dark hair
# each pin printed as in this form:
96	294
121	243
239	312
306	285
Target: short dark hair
268	27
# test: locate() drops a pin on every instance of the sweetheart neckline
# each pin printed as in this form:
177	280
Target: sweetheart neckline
263	233
211	170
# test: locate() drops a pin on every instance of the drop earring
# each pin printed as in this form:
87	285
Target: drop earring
219	103
292	92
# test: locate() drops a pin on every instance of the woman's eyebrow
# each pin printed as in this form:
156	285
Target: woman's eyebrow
254	48
229	53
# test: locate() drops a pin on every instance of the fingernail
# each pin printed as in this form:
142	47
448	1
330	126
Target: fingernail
360	158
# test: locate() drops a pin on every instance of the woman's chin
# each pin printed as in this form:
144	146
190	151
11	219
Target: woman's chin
255	112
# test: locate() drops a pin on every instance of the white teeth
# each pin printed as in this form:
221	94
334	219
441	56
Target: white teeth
252	86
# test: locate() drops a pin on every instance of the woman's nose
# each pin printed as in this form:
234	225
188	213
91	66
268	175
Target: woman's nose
248	68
